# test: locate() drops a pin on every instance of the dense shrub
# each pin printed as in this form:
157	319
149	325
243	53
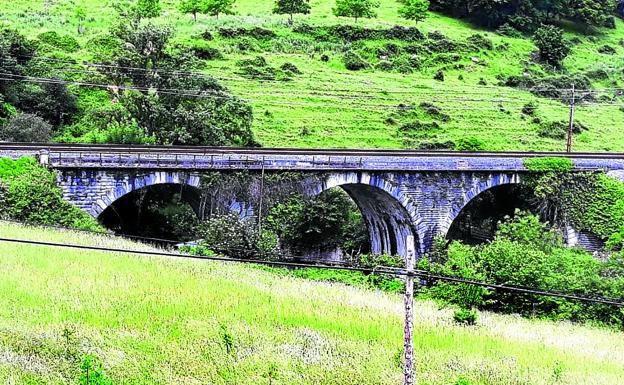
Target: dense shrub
559	129
470	143
257	68
548	164
205	52
62	42
234	236
353	33
214	117
527	15
527	253
354	62
26	128
550	86
255	32
478	42
32	196
326	222
552	46
417	126
434	111
607	49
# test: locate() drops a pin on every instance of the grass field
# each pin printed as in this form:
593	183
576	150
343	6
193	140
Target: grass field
329	106
164	321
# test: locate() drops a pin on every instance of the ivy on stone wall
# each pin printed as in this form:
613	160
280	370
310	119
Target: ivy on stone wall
591	202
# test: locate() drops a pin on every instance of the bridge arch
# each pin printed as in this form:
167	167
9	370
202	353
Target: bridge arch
389	215
494	183
127	184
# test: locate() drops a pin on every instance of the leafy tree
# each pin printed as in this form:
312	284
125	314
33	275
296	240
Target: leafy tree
193	7
291	7
552	46
15	53
356	8
26	128
146	9
415	10
204	113
52	101
217	7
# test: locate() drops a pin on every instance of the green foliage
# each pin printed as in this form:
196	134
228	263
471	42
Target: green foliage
63	42
32	196
325	222
354	62
470	144
193	7
148	9
218	7
548	164
25	128
213	117
465	317
92	372
292	7
356	8
527	15
526	253
415	10
552	46
237	237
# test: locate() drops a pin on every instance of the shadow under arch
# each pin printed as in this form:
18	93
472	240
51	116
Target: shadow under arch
133	213
477	220
388	215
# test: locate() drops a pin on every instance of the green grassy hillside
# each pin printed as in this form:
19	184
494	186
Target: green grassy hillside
330	106
162	321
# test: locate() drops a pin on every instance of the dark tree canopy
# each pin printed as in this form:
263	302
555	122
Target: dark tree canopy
26	128
527	15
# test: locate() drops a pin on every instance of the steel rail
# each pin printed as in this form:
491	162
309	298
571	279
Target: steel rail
205	150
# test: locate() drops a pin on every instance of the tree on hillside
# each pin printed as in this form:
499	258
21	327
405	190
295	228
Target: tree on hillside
204	114
291	7
551	45
356	8
193	7
217	7
26	128
147	9
415	10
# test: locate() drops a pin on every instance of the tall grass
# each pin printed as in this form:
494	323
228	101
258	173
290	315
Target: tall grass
152	320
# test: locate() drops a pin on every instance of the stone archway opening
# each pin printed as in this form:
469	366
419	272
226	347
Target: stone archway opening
477	221
167	211
387	221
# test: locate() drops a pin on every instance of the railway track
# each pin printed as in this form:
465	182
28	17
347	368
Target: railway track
202	150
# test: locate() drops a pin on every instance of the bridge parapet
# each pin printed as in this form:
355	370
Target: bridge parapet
302	161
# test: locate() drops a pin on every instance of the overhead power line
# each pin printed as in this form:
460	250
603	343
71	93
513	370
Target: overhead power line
429	276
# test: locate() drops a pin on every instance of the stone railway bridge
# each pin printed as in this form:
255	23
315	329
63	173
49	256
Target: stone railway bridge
400	193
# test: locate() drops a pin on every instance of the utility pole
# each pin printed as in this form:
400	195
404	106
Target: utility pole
408	347
261	199
571	123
